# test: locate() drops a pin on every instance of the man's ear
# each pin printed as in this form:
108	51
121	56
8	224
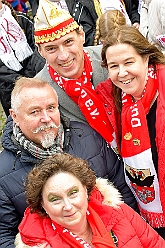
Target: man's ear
82	33
39	49
14	116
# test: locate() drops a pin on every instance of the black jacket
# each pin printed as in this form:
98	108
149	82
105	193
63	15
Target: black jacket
81	141
132	10
83	13
31	66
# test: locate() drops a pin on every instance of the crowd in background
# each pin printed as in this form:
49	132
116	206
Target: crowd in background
108	109
148	16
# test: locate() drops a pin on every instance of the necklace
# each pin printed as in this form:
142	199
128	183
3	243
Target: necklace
89	238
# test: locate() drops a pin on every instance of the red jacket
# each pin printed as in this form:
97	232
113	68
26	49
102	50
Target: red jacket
130	229
105	93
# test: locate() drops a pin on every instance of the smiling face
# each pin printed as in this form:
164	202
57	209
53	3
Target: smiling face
38	115
127	69
65	55
64	199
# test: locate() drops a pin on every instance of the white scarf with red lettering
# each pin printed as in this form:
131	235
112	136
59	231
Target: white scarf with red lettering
83	94
13	44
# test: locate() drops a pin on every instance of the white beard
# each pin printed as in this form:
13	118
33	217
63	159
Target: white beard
48	140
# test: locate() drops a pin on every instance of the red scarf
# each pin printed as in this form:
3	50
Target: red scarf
100	238
134	123
137	155
44	230
83	94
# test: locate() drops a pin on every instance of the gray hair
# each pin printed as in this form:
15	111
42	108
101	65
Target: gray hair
20	84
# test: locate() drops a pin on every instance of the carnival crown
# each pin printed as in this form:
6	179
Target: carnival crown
52	22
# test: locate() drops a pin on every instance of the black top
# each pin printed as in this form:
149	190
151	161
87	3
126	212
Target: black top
151	120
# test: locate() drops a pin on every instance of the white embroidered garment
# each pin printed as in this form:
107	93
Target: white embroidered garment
114	5
61	3
13	43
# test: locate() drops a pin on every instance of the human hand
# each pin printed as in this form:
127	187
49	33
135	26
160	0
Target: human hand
136	25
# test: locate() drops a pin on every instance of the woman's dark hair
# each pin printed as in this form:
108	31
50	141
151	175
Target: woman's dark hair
58	163
131	36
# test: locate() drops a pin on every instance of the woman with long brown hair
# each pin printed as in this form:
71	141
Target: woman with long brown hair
133	98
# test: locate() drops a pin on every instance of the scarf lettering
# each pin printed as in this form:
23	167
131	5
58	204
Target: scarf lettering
135	121
5	46
89	103
12	31
82	92
78	89
14	47
94	113
80	240
151	73
123	96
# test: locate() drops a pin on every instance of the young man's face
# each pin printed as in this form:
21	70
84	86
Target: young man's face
65	55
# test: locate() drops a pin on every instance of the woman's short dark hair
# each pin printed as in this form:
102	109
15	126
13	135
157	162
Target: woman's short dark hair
60	162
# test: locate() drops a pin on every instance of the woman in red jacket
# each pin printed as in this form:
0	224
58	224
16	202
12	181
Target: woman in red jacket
133	98
69	207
